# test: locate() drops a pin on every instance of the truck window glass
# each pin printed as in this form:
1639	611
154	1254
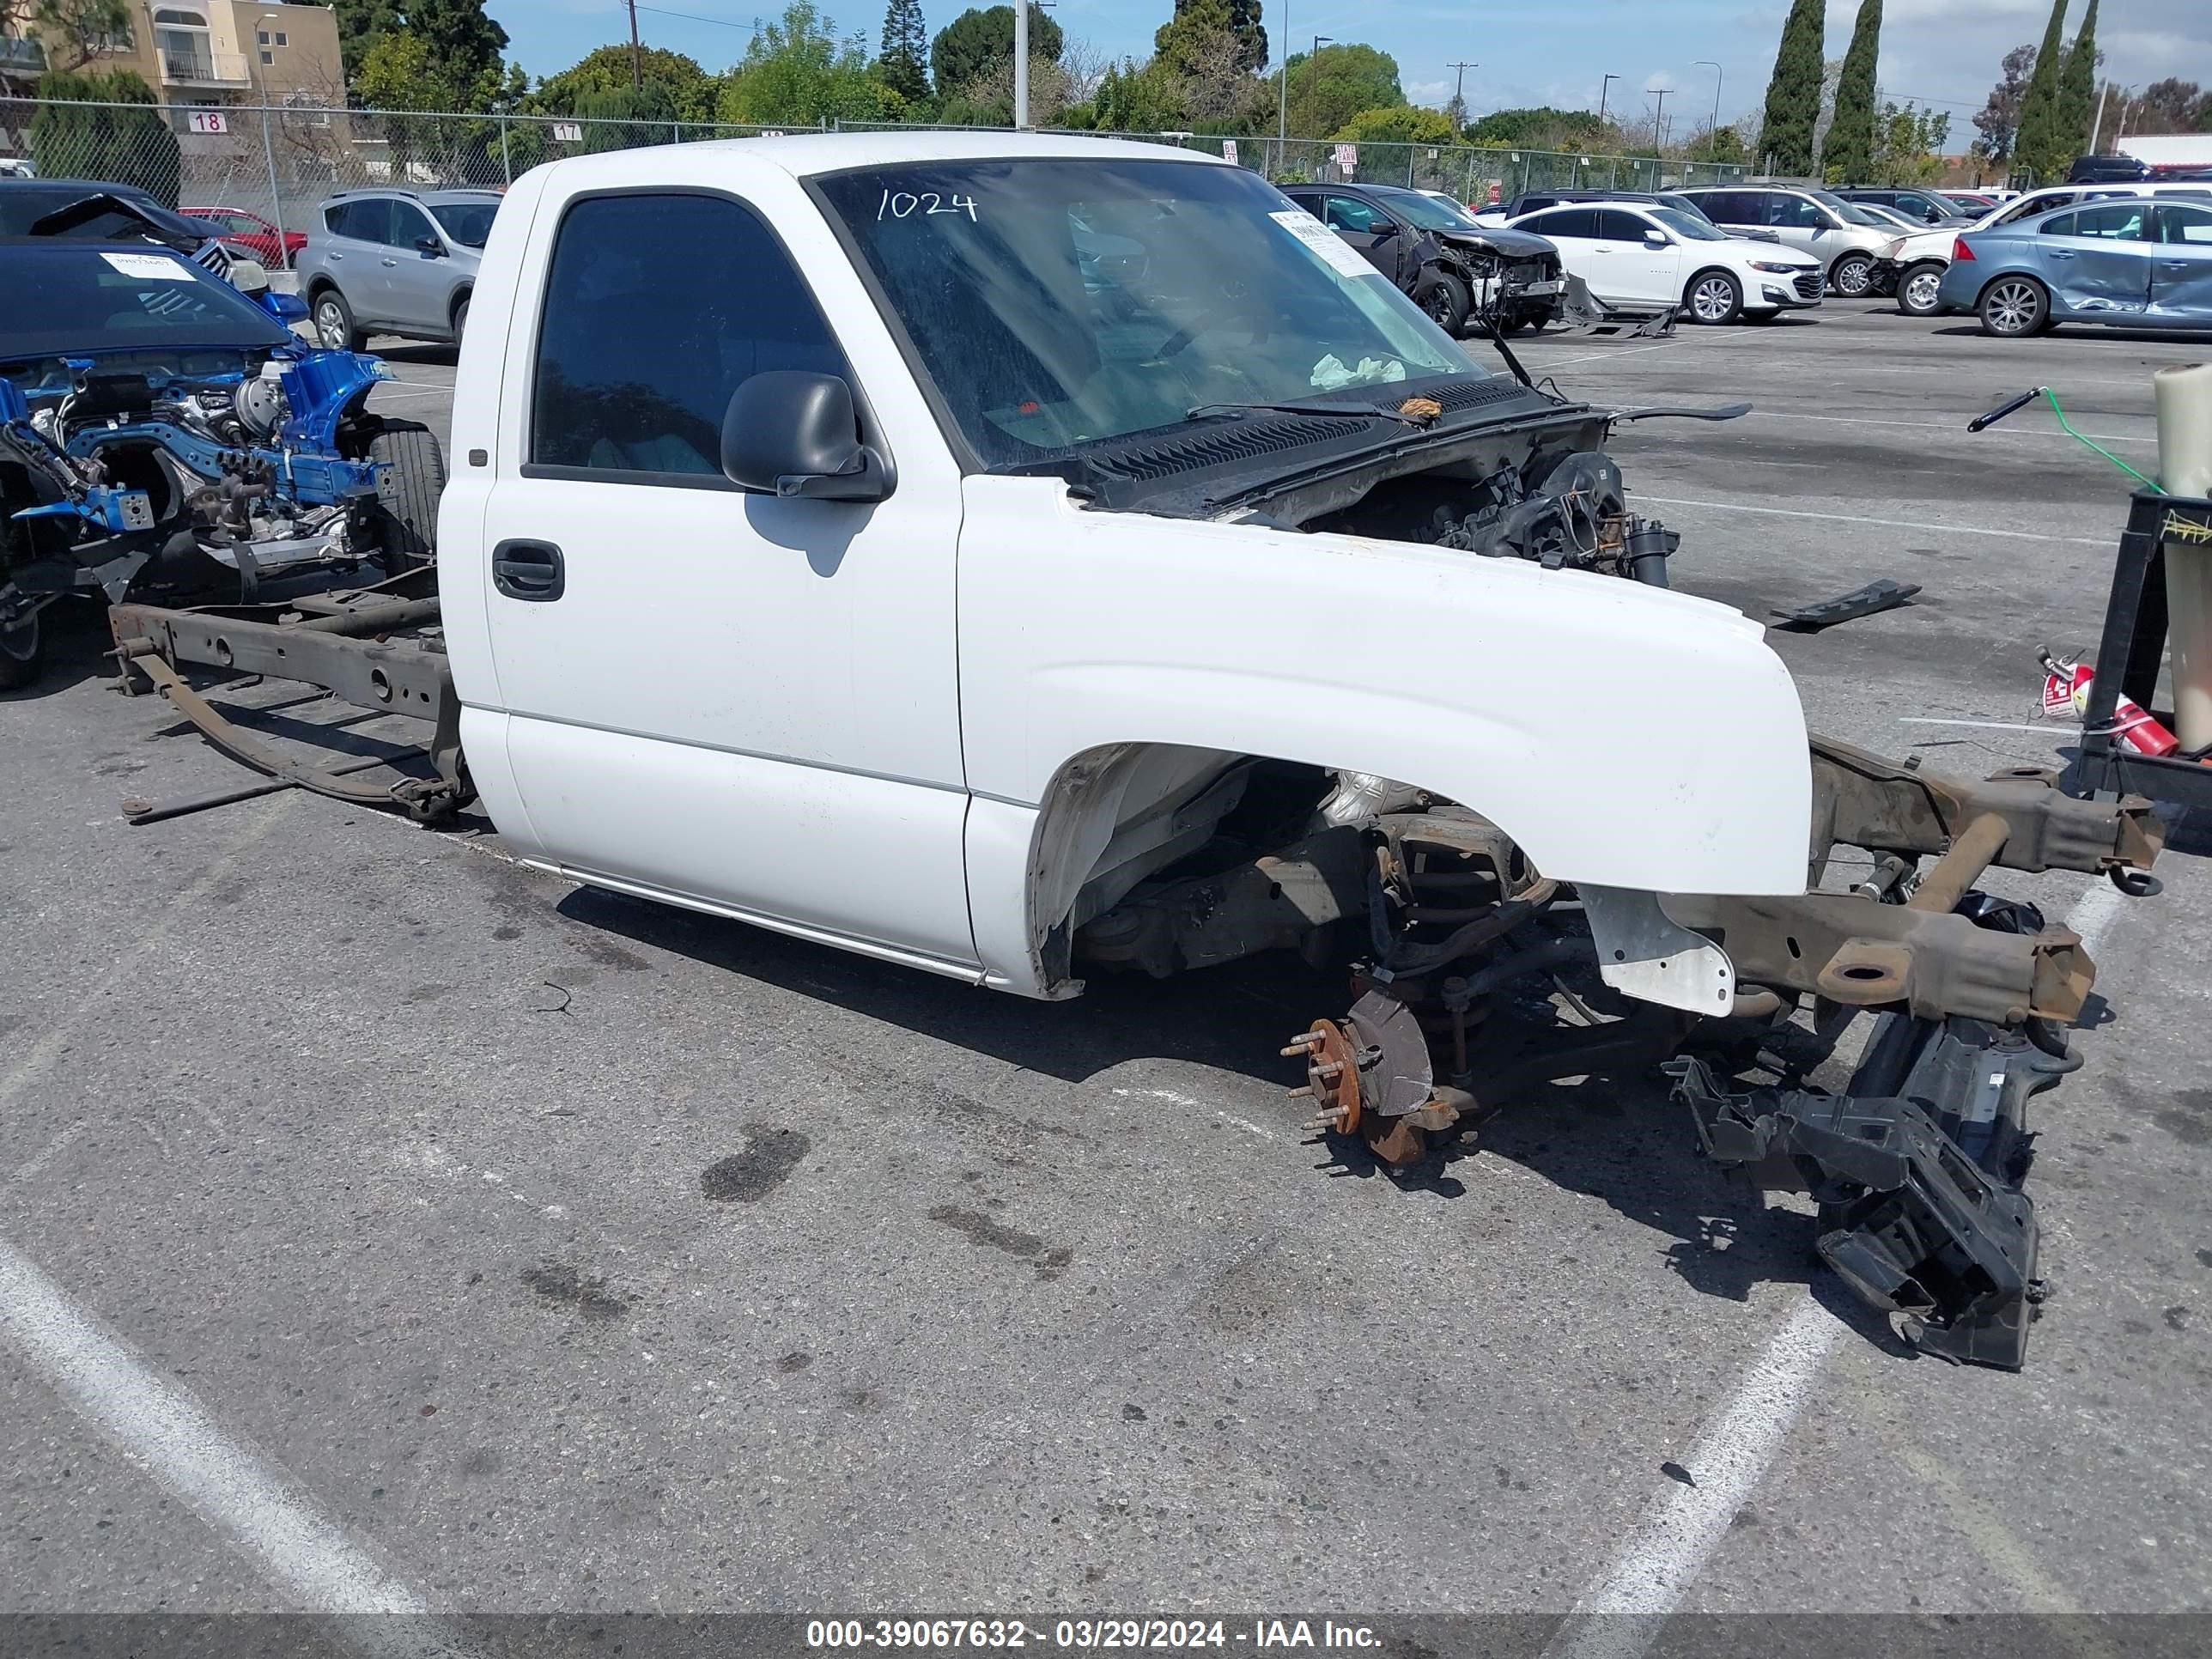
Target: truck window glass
639	355
1052	305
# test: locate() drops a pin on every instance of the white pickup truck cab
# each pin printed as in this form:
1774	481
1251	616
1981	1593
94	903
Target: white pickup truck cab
1025	557
852	535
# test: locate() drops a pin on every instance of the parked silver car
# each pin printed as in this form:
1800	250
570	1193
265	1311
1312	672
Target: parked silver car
1814	219
394	262
2141	263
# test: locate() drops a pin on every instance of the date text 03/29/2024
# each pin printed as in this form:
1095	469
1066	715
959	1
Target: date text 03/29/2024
937	1635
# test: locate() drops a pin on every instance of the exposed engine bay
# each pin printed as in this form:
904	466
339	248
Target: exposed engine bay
131	475
1472	979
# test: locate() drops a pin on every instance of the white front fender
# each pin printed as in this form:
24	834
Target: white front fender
1622	735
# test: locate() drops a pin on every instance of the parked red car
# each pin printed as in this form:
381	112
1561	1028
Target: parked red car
251	233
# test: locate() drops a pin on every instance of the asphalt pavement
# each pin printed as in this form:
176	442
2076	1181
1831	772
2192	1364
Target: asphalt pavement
403	1229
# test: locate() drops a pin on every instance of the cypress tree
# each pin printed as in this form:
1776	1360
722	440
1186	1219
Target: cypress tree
1793	96
2077	88
2039	107
905	55
1848	156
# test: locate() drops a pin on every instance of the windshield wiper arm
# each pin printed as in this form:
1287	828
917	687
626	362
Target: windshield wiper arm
1362	412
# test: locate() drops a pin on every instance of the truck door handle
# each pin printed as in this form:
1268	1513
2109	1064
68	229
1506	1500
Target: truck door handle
2173	264
528	570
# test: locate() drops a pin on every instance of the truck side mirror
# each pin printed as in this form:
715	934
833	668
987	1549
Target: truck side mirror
791	432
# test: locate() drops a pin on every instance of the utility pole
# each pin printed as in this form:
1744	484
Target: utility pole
2097	125
1602	90
636	69
1459	86
1021	64
1658	121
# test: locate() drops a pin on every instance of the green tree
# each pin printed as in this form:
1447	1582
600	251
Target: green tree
1243	20
2039	138
78	29
1328	89
1848	152
976	42
2077	86
462	42
1545	128
799	71
1909	144
691	91
1403	124
903	61
1793	94
626	117
121	146
1998	125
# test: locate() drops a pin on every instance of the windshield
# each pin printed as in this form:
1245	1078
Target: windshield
1425	211
1059	303
467	222
1688	226
70	298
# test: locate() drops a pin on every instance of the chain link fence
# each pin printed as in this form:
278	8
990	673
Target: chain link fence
279	162
1461	171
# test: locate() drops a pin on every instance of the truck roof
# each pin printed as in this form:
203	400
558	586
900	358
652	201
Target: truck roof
805	155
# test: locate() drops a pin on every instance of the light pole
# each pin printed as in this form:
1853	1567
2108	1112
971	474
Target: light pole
1604	87
1707	63
1283	95
1021	65
268	143
1319	41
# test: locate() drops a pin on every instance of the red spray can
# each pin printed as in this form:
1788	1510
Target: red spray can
2066	691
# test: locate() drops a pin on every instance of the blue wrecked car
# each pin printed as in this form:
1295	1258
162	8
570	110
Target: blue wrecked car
163	433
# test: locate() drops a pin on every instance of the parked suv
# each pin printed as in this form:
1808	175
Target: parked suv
1814	219
394	262
1922	206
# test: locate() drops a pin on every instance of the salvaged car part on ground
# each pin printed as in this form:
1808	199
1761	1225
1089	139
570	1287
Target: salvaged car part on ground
1167	591
163	434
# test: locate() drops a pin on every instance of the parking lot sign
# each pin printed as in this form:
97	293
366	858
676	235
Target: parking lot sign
208	120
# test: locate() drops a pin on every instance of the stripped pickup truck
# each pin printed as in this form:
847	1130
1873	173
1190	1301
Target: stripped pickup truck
1027	558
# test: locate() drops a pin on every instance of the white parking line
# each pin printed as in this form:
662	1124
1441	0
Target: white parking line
1621	1615
163	1431
1860	518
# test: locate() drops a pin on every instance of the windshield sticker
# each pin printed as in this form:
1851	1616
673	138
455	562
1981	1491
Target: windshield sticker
157	265
1340	259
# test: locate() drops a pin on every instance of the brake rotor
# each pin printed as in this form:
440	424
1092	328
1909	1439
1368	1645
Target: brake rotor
1332	1076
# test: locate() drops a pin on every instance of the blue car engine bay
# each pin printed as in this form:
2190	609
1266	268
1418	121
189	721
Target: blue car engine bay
163	434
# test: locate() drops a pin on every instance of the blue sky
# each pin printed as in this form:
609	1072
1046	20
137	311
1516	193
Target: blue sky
1938	51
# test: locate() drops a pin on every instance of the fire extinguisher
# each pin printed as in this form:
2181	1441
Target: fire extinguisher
2066	691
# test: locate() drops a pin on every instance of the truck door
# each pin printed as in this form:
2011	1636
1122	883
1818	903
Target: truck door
745	703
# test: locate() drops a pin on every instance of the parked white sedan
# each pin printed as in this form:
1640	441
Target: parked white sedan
1631	254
